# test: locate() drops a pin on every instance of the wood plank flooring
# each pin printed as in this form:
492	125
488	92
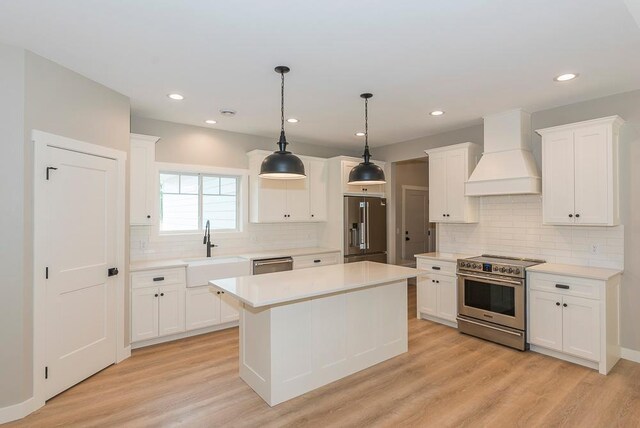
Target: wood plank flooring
446	379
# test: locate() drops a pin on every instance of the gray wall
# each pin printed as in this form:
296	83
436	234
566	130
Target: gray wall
12	314
54	99
204	146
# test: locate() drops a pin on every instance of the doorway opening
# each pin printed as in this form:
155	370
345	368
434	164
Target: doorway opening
415	233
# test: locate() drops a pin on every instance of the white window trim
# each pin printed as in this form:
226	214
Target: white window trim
243	199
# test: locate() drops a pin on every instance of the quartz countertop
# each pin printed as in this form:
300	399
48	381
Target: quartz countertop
283	287
443	257
174	263
576	271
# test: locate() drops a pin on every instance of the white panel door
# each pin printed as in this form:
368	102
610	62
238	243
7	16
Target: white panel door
318	179
558	178
144	313
80	247
581	327
202	308
229	308
437	187
298	198
591	175
447	298
272	202
427	295
455	185
545	319
141	182
171	310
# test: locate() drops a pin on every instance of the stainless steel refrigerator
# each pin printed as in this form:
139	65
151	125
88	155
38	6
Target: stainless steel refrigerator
365	234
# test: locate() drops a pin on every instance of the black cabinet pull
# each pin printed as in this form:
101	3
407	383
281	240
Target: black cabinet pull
158	278
433	280
435	267
437	282
317	261
156	295
565	305
148	216
577	215
217	292
570	215
557	303
564	287
161	294
448	215
444	215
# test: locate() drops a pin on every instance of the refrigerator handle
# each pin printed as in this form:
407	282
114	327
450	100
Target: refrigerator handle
363	226
367	222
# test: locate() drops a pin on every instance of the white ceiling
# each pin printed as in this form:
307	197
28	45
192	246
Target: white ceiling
467	57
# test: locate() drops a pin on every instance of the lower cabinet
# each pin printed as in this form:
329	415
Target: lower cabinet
314	260
437	297
575	319
207	308
157	311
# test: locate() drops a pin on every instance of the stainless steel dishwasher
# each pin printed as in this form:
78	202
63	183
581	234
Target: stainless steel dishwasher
279	264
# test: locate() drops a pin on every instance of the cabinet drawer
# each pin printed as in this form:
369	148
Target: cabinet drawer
158	278
566	285
445	268
313	260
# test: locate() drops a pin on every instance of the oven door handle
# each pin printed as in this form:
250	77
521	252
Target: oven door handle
484	278
490	326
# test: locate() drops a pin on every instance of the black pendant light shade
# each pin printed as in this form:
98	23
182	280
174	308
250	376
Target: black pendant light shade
366	172
282	164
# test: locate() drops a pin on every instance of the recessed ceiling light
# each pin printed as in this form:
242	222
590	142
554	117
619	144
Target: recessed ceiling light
565	77
176	97
437	113
227	112
210	121
292	120
359	134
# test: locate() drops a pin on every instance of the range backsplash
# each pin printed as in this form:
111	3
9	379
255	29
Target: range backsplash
512	225
255	237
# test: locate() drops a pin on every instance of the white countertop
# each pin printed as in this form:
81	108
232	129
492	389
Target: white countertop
174	263
576	271
443	257
283	287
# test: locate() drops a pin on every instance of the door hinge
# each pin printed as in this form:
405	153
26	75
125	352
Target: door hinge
46	372
49	168
46	272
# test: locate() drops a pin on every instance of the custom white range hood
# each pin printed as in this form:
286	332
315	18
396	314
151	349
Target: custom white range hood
507	166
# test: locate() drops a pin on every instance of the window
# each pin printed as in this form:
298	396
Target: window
188	200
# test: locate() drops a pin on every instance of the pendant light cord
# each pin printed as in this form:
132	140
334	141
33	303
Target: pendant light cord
282	103
366	155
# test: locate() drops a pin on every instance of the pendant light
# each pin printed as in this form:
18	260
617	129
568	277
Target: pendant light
282	164
366	172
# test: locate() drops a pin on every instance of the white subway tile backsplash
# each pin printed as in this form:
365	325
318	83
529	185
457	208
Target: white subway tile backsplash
512	225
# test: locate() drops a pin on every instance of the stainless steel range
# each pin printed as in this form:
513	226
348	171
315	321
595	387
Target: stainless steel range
491	298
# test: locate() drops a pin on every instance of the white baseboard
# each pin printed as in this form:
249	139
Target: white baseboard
123	354
183	335
19	411
630	354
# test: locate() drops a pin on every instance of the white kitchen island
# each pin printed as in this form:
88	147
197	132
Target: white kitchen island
302	329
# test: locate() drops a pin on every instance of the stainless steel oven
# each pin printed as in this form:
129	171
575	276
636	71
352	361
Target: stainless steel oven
492	299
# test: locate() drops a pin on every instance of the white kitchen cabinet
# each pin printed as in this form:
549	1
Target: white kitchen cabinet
142	180
229	308
437	295
157	303
449	169
314	260
575	318
284	201
580	173
359	189
206	307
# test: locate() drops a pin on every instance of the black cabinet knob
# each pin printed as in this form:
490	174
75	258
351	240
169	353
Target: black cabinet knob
557	303
437	282
448	215
564	304
148	216
433	280
577	215
570	215
156	295
444	215
312	215
217	292
161	294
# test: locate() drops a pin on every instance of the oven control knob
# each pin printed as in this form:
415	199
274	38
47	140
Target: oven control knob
517	271
467	264
510	270
502	269
476	266
495	268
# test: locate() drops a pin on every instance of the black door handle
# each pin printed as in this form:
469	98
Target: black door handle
564	287
112	271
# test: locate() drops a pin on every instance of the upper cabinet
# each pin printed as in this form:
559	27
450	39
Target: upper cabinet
142	180
580	173
283	201
359	189
449	169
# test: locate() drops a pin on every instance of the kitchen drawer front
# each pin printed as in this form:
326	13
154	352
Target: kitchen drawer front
314	260
158	278
566	285
436	267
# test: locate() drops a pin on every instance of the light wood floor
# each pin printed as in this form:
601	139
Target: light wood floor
446	379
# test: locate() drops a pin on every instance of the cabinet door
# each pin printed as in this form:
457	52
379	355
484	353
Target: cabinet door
437	187
592	176
272	200
427	295
144	313
455	178
229	308
298	198
318	179
545	320
581	327
142	182
447	297
558	178
171	310
202	308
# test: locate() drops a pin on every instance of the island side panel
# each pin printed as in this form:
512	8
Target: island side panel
255	350
318	341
